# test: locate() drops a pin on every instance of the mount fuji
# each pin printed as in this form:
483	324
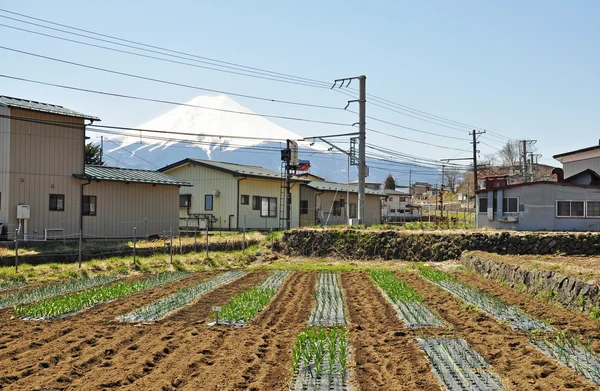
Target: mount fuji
206	127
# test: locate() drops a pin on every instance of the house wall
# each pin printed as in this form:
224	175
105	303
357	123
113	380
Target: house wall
121	207
4	165
309	218
42	161
539	209
205	180
577	163
324	205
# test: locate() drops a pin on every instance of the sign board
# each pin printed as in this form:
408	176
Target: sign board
216	309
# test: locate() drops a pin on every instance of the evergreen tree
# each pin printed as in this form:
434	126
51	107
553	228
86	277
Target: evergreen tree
390	183
93	155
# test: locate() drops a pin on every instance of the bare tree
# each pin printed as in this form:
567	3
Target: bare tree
452	179
510	154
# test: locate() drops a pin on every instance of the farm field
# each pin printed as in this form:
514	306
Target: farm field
342	327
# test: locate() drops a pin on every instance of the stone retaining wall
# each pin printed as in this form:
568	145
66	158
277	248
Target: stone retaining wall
428	246
569	291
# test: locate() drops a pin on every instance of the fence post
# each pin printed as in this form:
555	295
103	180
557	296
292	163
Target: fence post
171	246
195	240
272	240
145	227
17	250
164	242
134	244
207	240
244	240
80	246
180	246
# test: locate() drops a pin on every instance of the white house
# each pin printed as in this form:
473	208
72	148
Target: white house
396	206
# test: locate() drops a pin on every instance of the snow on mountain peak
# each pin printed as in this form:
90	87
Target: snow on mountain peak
197	122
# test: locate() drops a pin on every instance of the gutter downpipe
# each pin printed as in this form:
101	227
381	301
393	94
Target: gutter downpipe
237	204
88	179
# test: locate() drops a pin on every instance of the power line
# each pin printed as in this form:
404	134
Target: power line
236	68
174	103
167	81
416	141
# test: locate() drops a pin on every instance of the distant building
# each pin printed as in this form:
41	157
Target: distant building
372	185
422	190
47	191
396	206
570	203
309	176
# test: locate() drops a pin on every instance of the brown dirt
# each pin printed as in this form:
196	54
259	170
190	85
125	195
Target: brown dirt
508	351
560	318
583	267
386	356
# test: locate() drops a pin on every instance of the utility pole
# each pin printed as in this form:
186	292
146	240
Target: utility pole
524	160
442	194
475	133
362	139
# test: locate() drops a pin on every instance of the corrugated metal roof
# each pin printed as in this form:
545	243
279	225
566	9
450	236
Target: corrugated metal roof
43	107
341	187
231	168
116	174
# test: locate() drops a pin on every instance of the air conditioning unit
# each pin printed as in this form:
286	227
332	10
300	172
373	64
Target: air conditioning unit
216	193
354	222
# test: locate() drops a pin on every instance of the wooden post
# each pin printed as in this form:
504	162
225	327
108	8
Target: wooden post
17	250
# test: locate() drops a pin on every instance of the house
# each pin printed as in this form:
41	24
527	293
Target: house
46	190
330	203
422	190
396	206
309	176
371	185
571	203
232	196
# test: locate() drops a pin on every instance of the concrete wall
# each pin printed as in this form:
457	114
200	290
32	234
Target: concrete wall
121	206
538	205
227	207
4	165
43	159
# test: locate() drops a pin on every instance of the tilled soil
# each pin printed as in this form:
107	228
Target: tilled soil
386	356
508	351
559	317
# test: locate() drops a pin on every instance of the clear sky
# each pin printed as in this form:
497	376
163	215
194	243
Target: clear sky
521	69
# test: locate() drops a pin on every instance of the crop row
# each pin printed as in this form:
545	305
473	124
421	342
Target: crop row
8	285
42	292
570	352
66	304
458	366
491	305
407	302
320	359
162	307
243	307
329	309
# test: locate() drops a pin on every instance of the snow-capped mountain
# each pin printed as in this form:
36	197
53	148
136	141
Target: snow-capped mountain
207	127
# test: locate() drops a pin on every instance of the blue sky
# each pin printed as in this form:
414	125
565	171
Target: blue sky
521	69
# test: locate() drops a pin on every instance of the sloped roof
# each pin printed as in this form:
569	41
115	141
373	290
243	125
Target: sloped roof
340	187
231	168
117	174
42	107
560	155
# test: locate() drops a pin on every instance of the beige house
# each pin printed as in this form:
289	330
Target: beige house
330	203
231	196
47	191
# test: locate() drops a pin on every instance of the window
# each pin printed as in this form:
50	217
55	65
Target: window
593	209
89	205
510	204
185	200
570	209
352	210
337	208
245	199
303	207
208	202
393	210
255	202
483	205
268	207
57	202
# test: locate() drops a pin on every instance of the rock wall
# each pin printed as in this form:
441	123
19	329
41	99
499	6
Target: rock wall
569	291
432	246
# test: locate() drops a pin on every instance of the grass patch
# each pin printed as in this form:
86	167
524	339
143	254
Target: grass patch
434	275
397	290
